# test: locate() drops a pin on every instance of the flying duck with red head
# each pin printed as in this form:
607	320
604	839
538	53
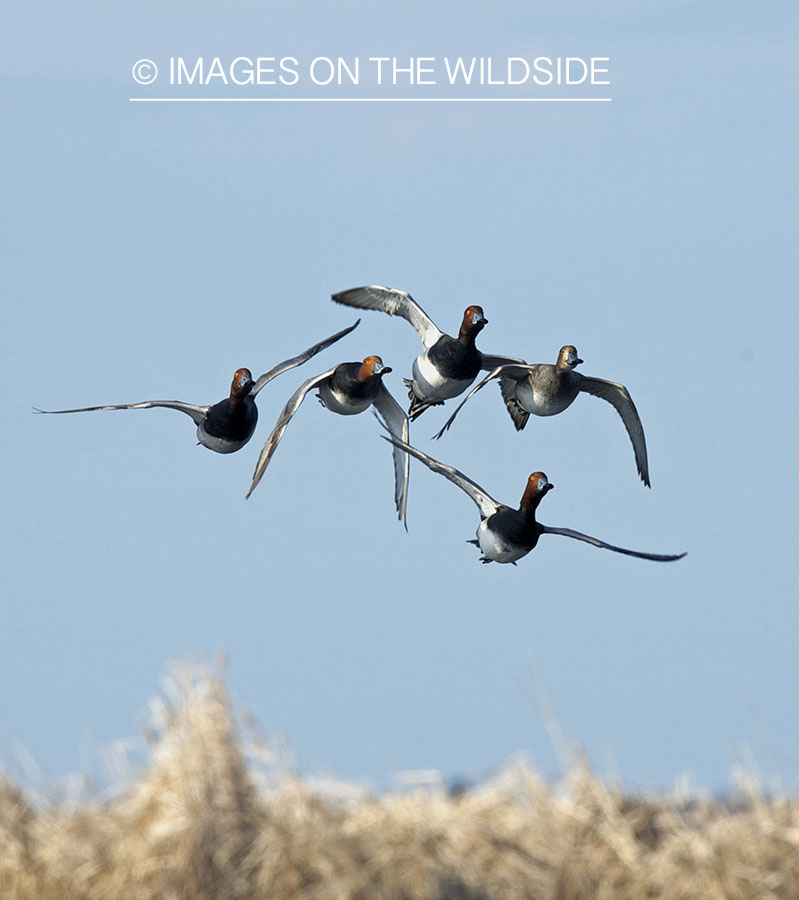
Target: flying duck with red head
226	426
448	365
506	534
349	389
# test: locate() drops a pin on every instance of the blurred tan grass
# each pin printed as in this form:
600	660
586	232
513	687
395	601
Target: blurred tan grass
215	815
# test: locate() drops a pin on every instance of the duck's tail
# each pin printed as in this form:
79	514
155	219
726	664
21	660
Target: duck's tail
418	406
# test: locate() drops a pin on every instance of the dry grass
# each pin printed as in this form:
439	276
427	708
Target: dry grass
215	816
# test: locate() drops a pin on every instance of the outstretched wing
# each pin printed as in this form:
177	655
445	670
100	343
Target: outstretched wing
568	532
280	368
198	413
513	370
619	396
394	419
395	303
491	362
485	503
282	423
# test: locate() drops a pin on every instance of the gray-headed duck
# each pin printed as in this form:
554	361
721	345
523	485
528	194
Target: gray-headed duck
226	426
448	365
506	534
348	389
546	390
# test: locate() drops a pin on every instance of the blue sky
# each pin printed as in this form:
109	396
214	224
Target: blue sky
152	249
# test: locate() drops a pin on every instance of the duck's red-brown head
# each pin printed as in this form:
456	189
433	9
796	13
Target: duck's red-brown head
568	358
537	486
241	385
474	321
372	367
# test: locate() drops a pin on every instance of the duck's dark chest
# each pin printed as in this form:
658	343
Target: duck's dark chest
514	528
344	382
455	359
232	421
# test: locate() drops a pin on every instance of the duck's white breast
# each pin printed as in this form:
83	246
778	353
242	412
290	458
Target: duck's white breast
495	548
217	444
432	384
341	403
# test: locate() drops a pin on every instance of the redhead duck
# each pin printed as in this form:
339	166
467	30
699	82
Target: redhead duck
506	534
226	426
545	390
348	389
448	365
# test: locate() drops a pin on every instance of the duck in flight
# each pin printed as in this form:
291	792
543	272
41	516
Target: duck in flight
448	365
506	534
348	389
226	426
546	390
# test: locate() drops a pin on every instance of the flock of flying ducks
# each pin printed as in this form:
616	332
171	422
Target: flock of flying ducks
445	368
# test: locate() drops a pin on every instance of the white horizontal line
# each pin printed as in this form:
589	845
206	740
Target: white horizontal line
370	99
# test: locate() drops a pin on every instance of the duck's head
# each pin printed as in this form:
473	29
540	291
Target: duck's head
474	321
538	485
241	385
372	367
568	358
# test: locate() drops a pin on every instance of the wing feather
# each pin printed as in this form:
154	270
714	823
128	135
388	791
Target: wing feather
303	357
619	397
491	362
282	423
485	503
396	422
578	535
198	413
514	370
395	303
